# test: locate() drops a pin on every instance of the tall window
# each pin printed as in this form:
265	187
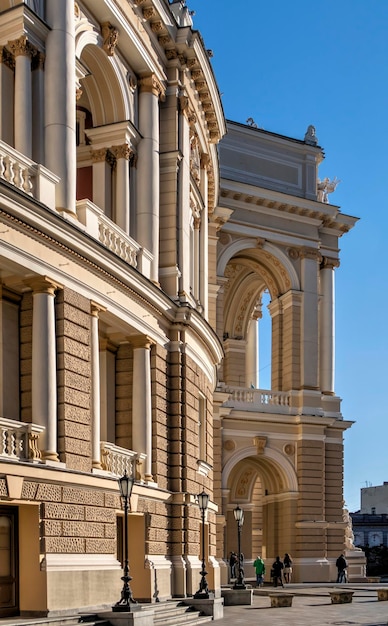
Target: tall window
202	427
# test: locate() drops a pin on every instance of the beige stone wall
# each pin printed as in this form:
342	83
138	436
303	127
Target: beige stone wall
73	379
74	520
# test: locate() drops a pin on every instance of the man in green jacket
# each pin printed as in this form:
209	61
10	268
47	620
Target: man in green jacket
259	566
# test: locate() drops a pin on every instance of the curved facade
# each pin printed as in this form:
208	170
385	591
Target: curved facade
133	258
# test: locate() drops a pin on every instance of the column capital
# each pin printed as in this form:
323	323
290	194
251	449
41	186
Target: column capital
21	47
141	341
7	58
99	155
96	309
43	284
122	152
329	263
151	84
310	253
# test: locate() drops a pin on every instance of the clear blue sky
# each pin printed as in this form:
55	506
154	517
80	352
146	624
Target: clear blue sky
288	64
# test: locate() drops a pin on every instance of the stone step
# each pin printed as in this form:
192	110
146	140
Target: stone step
177	614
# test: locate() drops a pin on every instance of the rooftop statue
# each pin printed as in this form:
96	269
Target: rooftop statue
310	136
324	187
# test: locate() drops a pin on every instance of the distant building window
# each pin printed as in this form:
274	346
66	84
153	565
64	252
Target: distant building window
373	510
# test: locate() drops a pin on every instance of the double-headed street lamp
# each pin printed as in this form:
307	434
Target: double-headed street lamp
239	517
203	591
126	600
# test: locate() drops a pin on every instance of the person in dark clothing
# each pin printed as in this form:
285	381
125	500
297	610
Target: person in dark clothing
233	562
277	569
341	565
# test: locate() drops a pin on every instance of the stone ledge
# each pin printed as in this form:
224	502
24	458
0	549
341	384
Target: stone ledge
233	597
382	594
280	599
341	596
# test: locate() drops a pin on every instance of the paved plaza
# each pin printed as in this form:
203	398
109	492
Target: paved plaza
311	606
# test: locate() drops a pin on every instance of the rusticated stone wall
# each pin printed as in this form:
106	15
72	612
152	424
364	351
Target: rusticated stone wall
124	381
26	357
74	520
74	379
159	416
157	526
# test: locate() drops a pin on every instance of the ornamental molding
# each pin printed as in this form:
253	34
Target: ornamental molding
260	443
21	47
110	36
151	84
7	58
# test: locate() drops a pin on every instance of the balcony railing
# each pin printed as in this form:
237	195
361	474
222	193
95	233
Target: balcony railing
118	460
24	174
260	400
19	441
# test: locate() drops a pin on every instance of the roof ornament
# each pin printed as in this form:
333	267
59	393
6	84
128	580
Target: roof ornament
324	187
251	122
310	136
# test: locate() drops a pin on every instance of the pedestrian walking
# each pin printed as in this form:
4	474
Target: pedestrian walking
259	566
287	568
277	571
341	565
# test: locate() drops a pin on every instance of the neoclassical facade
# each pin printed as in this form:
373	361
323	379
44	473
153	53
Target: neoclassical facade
139	233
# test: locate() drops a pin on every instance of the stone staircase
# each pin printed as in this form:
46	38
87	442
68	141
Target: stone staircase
175	613
169	613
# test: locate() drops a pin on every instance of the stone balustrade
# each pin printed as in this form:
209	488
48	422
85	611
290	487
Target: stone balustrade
31	178
19	441
264	400
118	460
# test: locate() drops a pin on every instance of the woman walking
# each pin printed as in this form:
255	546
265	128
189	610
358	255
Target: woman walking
287	568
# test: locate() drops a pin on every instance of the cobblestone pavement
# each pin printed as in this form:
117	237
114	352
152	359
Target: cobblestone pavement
310	607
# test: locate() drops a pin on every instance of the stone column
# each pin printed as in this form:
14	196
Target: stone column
95	309
22	50
147	211
141	401
327	332
204	239
38	107
60	98
309	318
44	363
196	260
7	68
102	189
276	311
122	154
252	356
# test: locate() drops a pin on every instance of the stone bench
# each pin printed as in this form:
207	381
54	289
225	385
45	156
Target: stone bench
280	600
382	594
341	596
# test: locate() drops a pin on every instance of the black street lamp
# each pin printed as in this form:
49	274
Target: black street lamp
124	604
203	591
239	517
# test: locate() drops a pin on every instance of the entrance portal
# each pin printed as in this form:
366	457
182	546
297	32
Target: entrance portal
9	576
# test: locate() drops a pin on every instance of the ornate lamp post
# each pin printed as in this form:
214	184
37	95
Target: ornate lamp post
124	604
203	591
239	517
